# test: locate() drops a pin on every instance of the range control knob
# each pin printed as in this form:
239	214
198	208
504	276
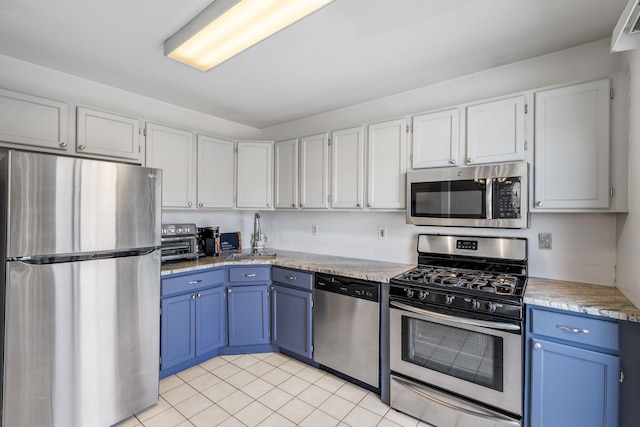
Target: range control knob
475	304
409	292
449	299
423	295
492	307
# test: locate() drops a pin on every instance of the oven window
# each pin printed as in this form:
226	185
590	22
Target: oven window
460	353
449	199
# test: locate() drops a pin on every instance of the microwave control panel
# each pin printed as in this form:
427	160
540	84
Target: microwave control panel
507	197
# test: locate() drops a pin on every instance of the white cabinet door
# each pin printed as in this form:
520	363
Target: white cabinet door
314	171
172	150
495	130
31	120
347	168
286	174
216	172
254	174
387	154
436	137
107	134
572	146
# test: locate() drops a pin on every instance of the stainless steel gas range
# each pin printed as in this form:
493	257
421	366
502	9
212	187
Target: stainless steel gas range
456	334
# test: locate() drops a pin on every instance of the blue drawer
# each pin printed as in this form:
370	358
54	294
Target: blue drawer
192	282
293	278
250	274
575	328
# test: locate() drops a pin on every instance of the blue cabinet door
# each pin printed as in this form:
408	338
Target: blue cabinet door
291	319
571	386
177	338
248	315
211	324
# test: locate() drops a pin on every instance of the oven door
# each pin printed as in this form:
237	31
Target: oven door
478	359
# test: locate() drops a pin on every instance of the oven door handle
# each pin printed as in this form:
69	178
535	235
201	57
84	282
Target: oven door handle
497	420
456	319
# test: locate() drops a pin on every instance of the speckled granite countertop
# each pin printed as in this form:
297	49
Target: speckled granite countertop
605	301
376	271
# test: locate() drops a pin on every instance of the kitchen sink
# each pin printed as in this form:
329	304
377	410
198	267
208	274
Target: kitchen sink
246	256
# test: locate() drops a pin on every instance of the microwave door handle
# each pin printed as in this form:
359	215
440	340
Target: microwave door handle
496	420
456	319
489	193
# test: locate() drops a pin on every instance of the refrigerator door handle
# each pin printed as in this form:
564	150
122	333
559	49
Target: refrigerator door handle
55	259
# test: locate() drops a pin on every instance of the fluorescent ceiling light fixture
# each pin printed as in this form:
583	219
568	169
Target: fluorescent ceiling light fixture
227	27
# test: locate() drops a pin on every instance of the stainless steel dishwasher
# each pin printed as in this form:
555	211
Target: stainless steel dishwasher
346	327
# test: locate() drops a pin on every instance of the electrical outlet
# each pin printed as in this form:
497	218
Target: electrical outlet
314	229
544	240
382	233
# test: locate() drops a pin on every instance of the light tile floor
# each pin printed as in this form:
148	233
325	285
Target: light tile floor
266	389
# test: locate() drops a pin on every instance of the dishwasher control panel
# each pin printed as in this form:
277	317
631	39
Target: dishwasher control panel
349	287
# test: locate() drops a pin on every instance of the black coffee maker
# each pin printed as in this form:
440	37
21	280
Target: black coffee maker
208	241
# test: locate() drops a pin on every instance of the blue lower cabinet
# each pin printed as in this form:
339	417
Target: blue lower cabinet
291	319
211	320
177	332
248	314
574	369
193	318
572	386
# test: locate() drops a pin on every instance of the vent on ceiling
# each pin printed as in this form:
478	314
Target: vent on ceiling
626	34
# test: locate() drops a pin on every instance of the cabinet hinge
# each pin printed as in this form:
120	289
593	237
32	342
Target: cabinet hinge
611	93
312	303
621	377
160	360
526	145
144	132
526	108
411	158
328	141
139	149
329	199
409	129
611	192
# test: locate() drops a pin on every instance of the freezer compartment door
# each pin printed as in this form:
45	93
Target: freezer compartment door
63	205
82	341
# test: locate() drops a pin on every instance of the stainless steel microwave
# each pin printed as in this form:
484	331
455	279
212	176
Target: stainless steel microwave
492	196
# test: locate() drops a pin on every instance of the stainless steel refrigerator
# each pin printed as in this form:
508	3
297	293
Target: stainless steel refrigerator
80	290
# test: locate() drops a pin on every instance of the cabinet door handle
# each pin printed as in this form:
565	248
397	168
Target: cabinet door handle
538	204
249	275
357	205
452	162
193	297
293	205
80	147
572	330
291	277
469	160
189	204
198	294
195	282
537	346
200	205
229	290
63	144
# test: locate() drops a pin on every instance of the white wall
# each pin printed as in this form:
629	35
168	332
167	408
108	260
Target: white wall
628	247
584	245
37	80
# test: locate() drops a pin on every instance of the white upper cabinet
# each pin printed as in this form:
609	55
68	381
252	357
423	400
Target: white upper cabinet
32	120
495	130
254	184
572	146
436	137
387	155
216	172
172	150
286	174
314	171
347	168
107	134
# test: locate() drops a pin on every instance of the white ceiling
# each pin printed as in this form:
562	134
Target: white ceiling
350	52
